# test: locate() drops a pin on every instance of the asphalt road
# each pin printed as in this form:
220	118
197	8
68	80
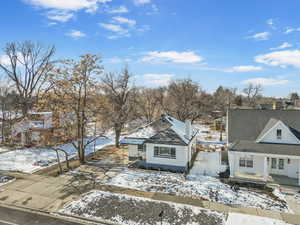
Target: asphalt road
10	216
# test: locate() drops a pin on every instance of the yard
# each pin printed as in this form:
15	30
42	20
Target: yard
198	187
129	210
30	160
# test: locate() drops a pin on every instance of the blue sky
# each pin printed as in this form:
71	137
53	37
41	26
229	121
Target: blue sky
214	42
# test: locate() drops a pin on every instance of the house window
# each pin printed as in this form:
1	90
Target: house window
246	162
281	164
140	148
273	163
279	134
165	152
242	162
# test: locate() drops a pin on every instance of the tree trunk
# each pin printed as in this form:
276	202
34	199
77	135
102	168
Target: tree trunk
117	138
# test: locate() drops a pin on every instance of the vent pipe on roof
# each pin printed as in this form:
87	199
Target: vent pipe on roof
188	129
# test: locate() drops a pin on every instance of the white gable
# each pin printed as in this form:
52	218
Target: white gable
287	136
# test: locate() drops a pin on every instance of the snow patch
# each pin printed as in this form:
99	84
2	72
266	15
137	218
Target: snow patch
243	219
198	187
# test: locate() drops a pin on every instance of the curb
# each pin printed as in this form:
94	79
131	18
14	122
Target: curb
86	219
66	217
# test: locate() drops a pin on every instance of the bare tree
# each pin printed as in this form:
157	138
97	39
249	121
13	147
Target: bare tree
183	100
252	92
27	65
75	84
119	107
149	102
224	98
8	109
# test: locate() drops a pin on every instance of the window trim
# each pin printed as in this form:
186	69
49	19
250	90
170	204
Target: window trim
170	155
281	165
141	148
273	163
246	162
279	134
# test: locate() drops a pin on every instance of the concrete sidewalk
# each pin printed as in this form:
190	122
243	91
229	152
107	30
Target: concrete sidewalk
36	192
49	194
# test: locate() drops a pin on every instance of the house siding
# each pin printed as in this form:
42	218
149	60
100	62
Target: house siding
290	170
133	152
287	136
181	155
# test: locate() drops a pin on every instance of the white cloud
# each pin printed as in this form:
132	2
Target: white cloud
271	23
119	60
114	28
71	5
260	36
123	20
76	34
244	69
154	10
265	81
280	58
63	10
291	30
282	46
59	15
121	9
144	28
172	56
4	59
157	79
52	24
141	2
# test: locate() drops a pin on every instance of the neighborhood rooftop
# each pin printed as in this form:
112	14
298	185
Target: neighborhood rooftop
247	124
266	148
166	127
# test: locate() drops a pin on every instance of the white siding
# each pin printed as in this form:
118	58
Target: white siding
290	170
133	151
258	164
181	155
287	136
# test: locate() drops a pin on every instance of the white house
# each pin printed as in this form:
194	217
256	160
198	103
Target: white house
264	144
37	125
166	144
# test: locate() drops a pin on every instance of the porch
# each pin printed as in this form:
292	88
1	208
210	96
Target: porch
259	168
259	179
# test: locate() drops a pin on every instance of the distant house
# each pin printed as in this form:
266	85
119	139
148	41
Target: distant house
264	144
36	128
166	144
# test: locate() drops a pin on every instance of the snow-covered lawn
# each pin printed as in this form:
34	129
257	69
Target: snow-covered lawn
199	187
243	219
30	160
129	210
6	179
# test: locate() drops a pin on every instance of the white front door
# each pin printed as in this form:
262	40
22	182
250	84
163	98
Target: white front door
277	166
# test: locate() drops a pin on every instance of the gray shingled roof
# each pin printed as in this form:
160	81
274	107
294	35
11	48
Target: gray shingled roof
269	125
166	130
247	124
168	137
265	148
